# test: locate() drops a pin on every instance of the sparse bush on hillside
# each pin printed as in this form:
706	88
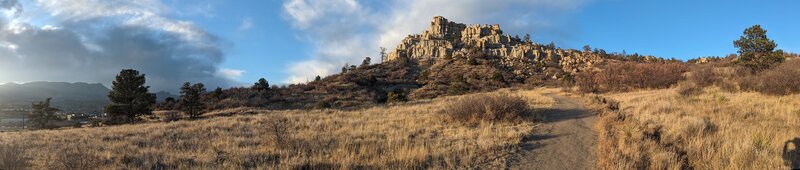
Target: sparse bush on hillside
12	156
781	80
73	158
689	89
324	103
397	96
278	129
486	107
704	77
629	76
457	86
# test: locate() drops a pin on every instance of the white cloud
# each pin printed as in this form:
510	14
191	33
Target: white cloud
305	13
144	13
232	74
346	31
247	24
304	71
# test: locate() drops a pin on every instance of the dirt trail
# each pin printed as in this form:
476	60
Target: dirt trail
566	139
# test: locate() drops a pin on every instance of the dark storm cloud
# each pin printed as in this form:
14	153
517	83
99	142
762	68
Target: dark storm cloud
96	49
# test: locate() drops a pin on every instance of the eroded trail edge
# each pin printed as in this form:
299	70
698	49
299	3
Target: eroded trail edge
565	140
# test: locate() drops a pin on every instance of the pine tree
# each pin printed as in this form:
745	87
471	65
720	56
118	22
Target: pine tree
191	102
366	62
218	94
756	51
41	114
318	78
129	96
528	38
261	86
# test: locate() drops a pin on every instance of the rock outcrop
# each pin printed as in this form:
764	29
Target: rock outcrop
449	39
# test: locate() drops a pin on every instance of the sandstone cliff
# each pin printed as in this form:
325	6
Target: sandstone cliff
447	39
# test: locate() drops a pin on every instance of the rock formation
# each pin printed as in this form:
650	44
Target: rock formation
449	39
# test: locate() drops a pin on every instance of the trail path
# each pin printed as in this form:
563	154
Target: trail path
566	139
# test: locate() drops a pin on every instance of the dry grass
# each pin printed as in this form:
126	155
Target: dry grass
660	129
404	136
11	156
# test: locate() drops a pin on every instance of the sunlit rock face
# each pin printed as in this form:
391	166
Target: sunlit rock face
445	38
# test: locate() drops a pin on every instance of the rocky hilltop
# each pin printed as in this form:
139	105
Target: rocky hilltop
446	39
448	58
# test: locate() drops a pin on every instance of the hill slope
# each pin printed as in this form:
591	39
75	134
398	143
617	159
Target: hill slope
406	136
66	96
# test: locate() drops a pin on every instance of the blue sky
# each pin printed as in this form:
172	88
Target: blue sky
233	43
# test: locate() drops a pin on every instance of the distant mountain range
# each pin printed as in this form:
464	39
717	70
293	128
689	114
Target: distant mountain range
78	96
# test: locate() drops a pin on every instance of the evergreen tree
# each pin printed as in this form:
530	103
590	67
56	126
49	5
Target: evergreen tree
41	114
191	102
366	62
318	78
528	38
129	96
756	51
344	68
261	86
218	93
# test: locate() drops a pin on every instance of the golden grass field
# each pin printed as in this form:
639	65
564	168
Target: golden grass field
660	129
402	136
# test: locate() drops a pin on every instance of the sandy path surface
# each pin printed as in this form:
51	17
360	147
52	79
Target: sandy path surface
566	139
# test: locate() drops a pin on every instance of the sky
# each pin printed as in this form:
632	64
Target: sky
233	43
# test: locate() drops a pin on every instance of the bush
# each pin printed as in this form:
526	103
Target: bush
629	76
689	89
12	157
486	107
782	80
278	129
397	96
325	103
704	77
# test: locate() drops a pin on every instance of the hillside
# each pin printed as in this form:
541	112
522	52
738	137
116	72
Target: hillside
447	59
403	136
66	96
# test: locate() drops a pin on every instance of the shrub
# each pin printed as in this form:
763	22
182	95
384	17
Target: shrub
458	86
325	103
782	80
397	96
689	89
76	158
278	129
704	77
11	157
171	116
486	107
629	76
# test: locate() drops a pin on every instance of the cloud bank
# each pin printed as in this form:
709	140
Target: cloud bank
346	31
91	40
